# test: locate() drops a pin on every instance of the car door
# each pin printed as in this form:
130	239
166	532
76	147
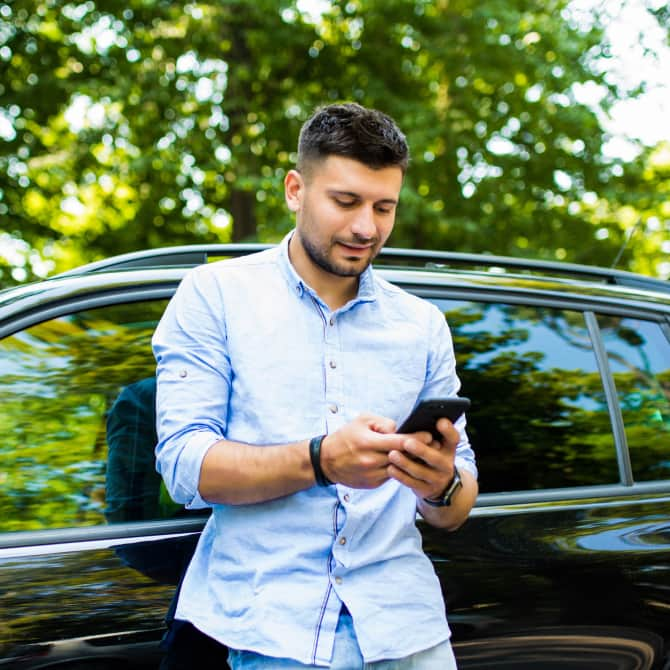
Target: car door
565	561
91	547
563	564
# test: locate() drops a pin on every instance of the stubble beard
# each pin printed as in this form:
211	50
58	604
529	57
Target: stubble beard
319	256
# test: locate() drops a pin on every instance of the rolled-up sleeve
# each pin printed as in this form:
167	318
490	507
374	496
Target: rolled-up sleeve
442	381
193	383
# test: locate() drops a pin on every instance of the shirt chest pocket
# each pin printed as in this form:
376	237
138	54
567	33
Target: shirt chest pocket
387	383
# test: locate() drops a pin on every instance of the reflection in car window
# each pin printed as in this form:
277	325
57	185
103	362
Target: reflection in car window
639	356
134	489
539	417
62	378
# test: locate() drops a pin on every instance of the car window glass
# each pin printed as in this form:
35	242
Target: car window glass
539	417
639	357
78	421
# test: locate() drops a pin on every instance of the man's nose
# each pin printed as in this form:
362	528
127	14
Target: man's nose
364	223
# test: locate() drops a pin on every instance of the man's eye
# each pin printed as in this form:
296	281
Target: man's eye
345	203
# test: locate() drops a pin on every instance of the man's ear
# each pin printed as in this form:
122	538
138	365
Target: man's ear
294	188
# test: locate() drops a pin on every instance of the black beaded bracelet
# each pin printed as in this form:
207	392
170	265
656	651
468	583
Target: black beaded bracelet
315	457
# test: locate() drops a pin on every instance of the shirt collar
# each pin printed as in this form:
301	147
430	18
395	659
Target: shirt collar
366	284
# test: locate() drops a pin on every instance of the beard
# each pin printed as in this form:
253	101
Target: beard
353	267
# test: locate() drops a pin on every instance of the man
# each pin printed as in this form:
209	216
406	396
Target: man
281	378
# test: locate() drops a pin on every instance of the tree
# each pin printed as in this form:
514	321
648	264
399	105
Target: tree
506	158
141	124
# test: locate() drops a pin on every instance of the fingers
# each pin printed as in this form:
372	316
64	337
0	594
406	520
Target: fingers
378	433
357	453
380	424
407	470
422	479
422	461
367	451
449	432
418	451
426	468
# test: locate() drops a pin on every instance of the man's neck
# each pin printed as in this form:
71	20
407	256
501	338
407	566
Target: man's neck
334	290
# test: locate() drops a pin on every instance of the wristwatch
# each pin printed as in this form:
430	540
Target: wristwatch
444	499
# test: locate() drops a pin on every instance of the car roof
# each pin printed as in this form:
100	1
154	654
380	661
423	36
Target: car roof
156	272
191	255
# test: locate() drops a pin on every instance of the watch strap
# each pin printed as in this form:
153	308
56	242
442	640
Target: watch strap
445	498
315	458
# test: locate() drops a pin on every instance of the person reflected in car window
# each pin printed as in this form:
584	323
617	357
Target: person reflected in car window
134	490
132	484
281	379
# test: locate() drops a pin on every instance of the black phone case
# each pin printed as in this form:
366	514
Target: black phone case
427	413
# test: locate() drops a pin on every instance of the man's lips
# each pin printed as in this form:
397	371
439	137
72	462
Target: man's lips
356	247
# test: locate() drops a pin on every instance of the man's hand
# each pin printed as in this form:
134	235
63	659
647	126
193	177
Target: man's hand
425	465
357	455
429	476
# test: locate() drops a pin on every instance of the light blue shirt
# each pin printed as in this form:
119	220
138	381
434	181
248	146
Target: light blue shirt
248	352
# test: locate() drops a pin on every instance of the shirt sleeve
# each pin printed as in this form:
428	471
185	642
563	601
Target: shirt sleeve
442	381
193	383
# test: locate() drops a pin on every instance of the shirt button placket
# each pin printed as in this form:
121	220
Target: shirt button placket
332	375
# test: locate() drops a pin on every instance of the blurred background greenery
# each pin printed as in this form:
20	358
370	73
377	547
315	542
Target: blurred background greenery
146	123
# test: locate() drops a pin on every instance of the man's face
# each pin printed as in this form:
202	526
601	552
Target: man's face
345	212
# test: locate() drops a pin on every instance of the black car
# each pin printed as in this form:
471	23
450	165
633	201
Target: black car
564	563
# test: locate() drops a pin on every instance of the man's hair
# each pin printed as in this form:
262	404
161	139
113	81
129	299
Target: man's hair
352	131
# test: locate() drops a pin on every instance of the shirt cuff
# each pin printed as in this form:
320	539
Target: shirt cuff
196	448
464	464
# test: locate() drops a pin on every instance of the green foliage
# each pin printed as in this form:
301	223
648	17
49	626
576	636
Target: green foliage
550	422
537	421
133	125
62	377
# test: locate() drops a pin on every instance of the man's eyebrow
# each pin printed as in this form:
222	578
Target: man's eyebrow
356	196
348	194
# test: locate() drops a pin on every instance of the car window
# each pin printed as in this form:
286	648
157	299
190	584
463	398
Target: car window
639	357
539	417
78	421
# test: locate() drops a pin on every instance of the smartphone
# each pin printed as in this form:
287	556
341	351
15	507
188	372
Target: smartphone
427	413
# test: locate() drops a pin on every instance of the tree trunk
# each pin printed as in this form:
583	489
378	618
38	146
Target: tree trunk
244	219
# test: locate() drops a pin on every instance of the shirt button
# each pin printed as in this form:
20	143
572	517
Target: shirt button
182	373
346	497
332	364
332	321
333	408
338	580
343	540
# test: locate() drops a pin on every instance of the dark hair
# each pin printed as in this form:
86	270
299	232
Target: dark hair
352	131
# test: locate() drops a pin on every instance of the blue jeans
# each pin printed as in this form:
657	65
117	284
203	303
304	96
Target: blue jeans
347	656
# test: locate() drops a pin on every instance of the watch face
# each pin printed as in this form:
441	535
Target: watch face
445	499
451	490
